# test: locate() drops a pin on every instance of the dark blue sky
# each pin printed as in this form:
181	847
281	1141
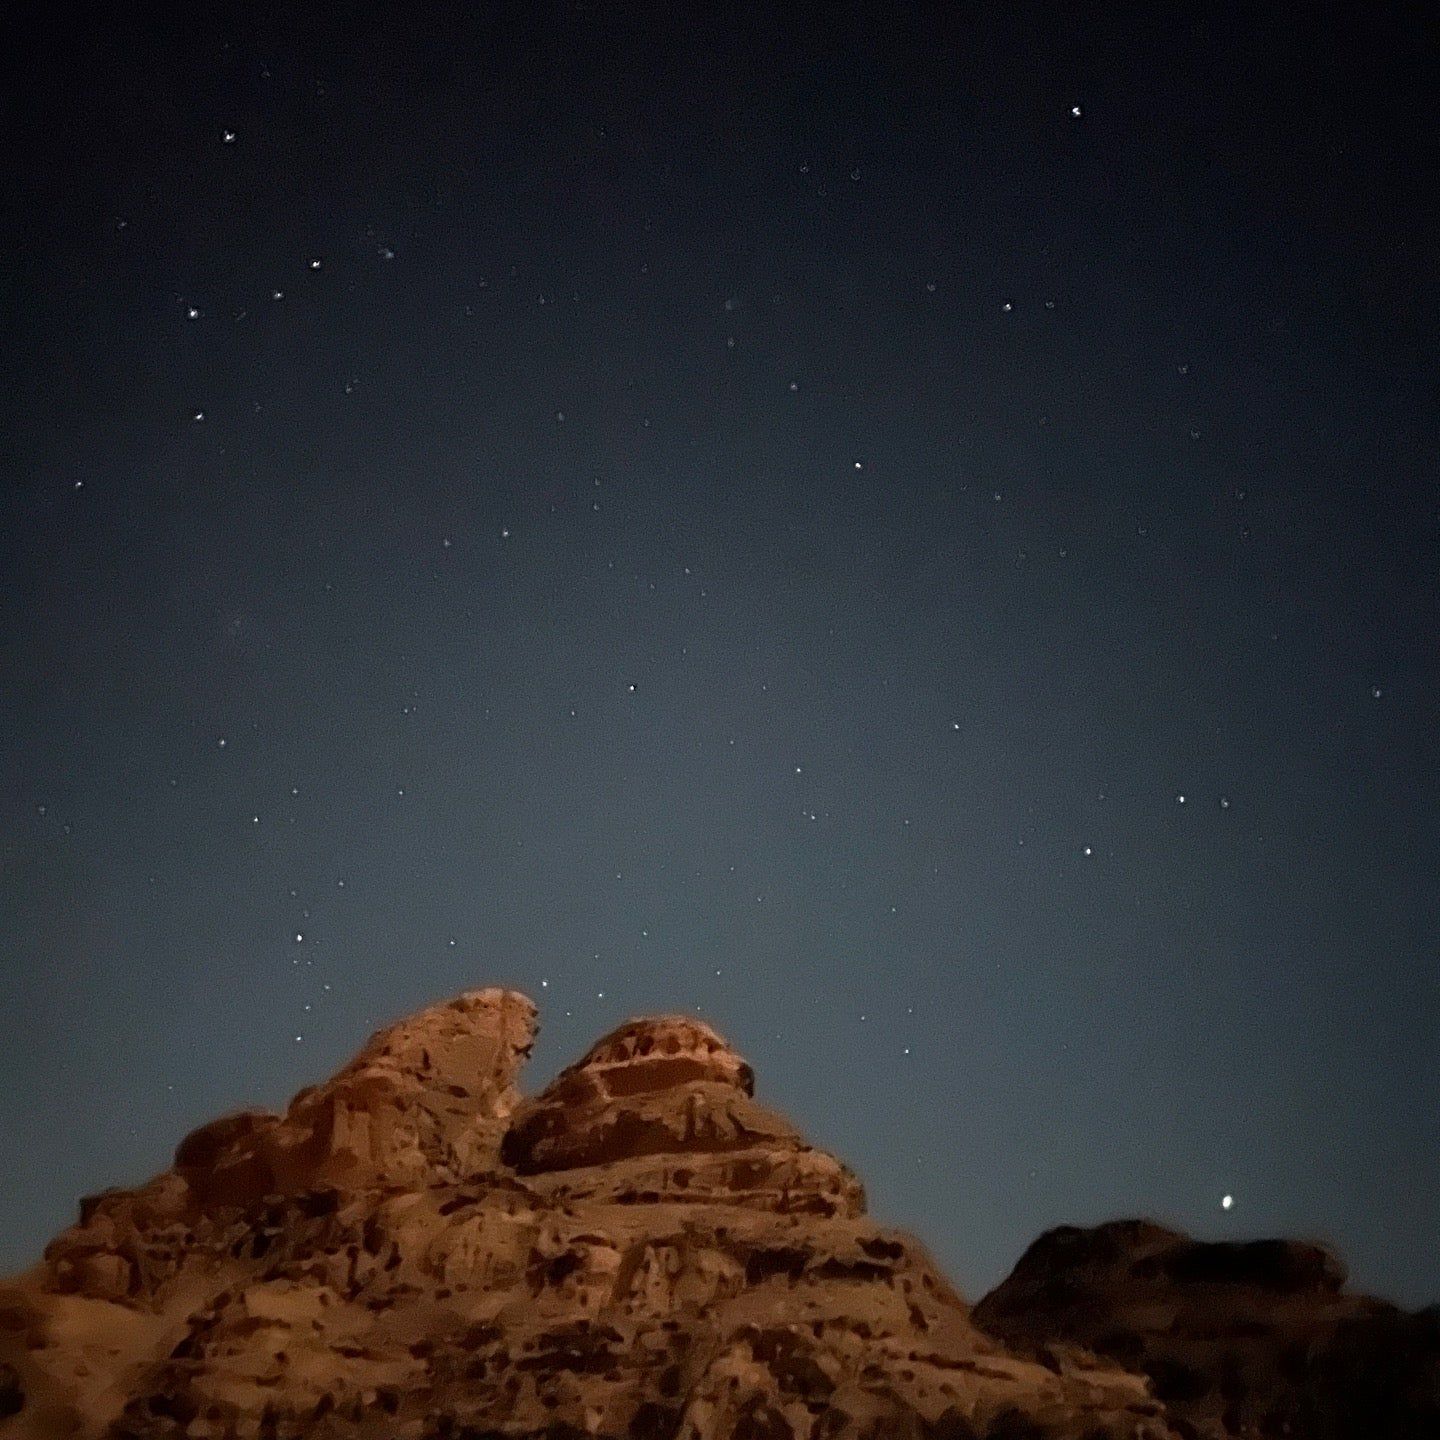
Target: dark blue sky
759	513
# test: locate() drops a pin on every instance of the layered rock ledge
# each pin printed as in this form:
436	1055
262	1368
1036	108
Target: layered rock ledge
663	1110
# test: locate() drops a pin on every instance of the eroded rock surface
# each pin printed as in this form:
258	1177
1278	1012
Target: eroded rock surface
1238	1339
664	1110
410	1251
426	1099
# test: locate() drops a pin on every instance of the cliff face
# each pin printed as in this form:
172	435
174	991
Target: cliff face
642	1250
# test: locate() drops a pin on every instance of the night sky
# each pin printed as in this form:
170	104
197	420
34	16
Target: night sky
913	538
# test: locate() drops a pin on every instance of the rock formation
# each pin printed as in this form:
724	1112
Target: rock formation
411	1251
641	1251
1238	1339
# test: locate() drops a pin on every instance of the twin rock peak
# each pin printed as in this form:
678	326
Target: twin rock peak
642	1251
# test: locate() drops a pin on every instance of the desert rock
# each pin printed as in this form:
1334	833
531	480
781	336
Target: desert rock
642	1250
1254	1338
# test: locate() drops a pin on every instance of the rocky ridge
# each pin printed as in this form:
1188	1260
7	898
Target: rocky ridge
643	1250
410	1250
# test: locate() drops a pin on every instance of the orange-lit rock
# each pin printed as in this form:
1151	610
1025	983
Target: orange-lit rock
425	1099
411	1252
663	1109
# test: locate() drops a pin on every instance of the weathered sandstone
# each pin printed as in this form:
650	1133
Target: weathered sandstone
641	1250
412	1251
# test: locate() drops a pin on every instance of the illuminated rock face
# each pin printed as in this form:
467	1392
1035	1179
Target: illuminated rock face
659	1053
426	1099
411	1252
663	1109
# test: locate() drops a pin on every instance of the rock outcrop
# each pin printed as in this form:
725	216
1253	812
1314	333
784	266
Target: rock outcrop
664	1110
427	1099
1238	1339
411	1251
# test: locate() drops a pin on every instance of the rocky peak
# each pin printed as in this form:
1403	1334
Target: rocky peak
471	1047
1142	1253
410	1250
663	1109
640	1252
660	1052
1238	1338
424	1098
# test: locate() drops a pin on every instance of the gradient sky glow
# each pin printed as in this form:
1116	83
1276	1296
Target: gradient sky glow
764	512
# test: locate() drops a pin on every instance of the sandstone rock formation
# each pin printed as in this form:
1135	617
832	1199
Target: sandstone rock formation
1238	1339
411	1251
